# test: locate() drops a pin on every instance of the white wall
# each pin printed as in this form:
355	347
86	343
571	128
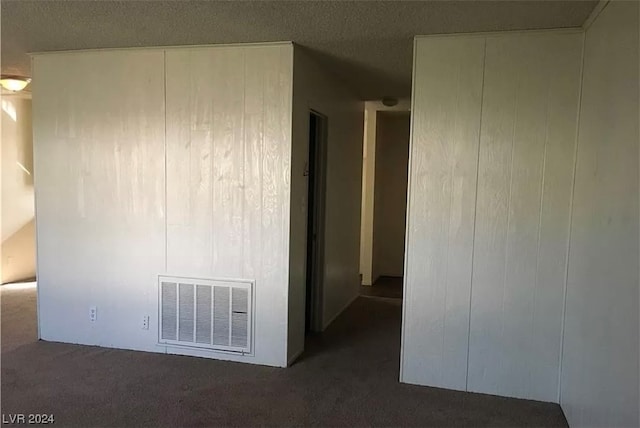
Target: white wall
600	357
98	129
493	138
390	202
18	237
371	109
131	191
315	89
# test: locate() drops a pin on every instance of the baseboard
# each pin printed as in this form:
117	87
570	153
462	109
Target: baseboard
333	318
294	357
18	281
393	300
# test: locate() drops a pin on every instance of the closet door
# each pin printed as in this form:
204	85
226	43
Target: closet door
492	157
527	143
441	204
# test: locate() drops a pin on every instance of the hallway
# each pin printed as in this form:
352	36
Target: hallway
348	376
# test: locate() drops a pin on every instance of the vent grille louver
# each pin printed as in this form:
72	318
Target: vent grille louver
169	315
203	314
210	314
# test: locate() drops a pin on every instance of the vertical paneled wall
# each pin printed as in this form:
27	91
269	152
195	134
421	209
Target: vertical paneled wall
131	191
98	129
228	168
493	139
600	378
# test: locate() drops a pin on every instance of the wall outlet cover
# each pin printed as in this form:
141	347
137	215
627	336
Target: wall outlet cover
145	322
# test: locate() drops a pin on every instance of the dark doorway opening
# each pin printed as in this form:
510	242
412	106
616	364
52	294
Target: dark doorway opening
315	220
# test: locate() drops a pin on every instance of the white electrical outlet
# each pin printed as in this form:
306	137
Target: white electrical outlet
145	322
93	313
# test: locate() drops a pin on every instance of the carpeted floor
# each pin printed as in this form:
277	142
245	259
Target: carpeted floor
385	286
347	377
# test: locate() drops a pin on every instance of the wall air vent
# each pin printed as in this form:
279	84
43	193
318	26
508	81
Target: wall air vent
206	313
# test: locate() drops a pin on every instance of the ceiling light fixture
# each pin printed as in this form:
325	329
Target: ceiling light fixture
14	83
389	101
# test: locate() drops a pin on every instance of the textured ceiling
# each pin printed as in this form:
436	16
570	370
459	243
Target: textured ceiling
368	44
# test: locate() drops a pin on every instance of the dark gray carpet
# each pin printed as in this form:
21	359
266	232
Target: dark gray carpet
347	377
385	286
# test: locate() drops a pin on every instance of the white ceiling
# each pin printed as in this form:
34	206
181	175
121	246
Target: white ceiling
368	44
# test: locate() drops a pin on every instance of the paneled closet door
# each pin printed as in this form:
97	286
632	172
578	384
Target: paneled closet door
527	144
446	110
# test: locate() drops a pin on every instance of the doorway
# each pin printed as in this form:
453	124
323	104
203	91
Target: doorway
383	251
18	193
315	220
